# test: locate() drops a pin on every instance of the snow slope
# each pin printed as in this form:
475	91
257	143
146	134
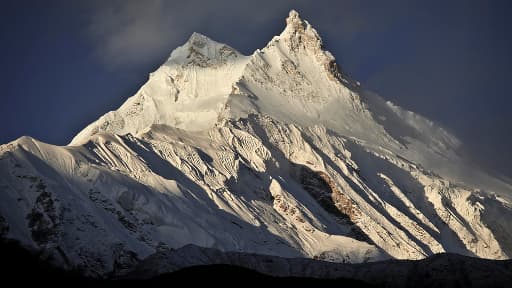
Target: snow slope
187	91
275	153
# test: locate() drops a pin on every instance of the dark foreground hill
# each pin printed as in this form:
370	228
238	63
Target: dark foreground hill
445	270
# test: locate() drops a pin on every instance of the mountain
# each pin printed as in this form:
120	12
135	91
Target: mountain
278	153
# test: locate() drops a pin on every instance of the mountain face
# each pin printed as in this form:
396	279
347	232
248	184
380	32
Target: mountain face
277	153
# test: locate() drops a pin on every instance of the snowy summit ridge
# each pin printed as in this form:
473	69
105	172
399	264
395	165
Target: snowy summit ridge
188	91
276	153
201	61
202	51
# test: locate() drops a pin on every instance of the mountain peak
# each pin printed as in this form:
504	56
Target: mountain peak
199	40
294	22
299	33
203	51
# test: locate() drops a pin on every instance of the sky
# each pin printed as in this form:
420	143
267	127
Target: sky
65	63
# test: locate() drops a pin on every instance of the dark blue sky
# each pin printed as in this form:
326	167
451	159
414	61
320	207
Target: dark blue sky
65	63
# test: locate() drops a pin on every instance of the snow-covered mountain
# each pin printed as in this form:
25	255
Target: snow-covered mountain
276	153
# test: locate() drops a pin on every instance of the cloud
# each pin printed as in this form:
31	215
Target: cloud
124	32
132	32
